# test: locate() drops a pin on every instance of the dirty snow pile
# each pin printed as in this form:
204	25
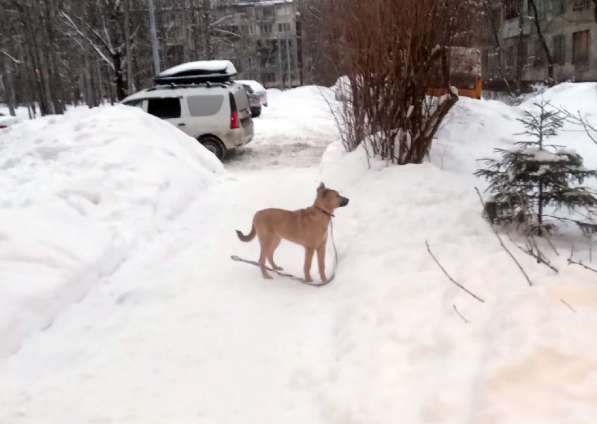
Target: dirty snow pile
79	193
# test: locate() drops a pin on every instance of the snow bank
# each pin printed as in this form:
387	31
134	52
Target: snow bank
79	193
402	352
574	97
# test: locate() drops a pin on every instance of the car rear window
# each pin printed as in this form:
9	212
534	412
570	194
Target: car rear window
165	108
205	105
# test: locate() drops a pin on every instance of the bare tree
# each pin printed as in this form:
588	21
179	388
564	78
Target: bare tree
100	25
390	66
549	57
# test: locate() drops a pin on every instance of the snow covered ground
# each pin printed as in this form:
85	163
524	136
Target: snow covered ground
179	333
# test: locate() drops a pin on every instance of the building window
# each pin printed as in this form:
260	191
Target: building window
268	12
496	17
511	9
524	54
265	28
580	47
510	57
580	4
539	59
284	27
540	4
558	7
559	50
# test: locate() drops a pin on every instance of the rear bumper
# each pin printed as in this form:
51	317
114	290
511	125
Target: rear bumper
241	136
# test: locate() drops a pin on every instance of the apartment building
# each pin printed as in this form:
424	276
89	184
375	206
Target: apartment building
517	52
262	38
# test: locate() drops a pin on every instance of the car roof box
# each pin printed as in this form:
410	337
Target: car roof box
198	72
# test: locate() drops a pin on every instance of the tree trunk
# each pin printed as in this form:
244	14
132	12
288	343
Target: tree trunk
8	81
206	29
548	56
100	83
540	208
54	78
129	51
118	76
520	57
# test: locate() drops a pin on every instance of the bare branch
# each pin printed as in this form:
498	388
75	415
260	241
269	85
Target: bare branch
12	58
456	283
581	264
459	314
568	305
503	245
71	23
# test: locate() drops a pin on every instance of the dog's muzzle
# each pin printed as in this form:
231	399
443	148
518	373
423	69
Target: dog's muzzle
343	201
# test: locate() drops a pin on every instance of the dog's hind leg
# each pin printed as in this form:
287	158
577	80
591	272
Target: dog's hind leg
272	249
308	259
321	262
264	242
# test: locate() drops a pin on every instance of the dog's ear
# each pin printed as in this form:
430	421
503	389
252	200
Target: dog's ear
321	187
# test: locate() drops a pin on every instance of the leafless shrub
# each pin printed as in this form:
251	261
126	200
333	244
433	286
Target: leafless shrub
393	52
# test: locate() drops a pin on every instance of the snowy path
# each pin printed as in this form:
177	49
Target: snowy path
171	336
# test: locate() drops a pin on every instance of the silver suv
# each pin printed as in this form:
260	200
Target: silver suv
217	114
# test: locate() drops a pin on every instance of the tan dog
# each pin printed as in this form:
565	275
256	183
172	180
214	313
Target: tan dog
307	227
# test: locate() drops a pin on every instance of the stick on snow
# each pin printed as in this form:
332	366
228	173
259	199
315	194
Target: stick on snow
568	305
588	268
448	275
503	245
459	314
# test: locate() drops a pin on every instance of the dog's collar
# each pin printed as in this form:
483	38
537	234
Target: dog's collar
324	211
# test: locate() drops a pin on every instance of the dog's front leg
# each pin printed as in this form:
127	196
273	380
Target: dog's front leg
321	261
308	259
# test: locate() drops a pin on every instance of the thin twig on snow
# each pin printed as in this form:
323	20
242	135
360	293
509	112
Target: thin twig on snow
503	245
448	275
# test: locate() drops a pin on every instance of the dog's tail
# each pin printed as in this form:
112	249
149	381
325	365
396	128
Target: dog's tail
248	237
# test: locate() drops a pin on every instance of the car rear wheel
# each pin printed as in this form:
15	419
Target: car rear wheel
214	145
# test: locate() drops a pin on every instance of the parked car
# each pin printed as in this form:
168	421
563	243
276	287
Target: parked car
257	95
254	101
207	106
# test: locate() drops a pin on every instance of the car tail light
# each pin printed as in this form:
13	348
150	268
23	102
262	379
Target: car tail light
233	113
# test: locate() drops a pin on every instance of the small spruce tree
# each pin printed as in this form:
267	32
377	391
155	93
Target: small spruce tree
534	177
